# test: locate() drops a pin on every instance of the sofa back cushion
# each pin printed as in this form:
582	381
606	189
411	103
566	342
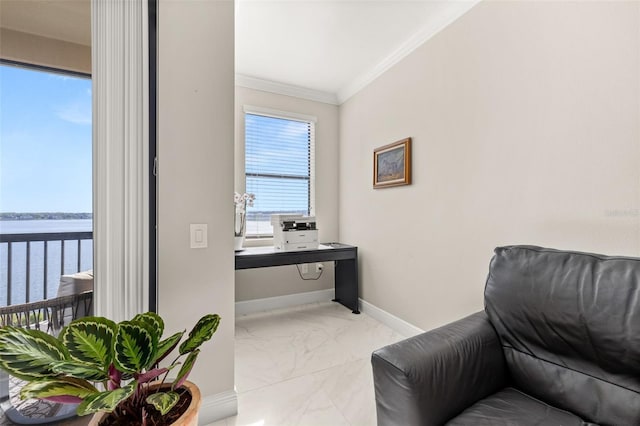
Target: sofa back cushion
569	324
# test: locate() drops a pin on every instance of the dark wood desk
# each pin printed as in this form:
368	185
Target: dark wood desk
344	256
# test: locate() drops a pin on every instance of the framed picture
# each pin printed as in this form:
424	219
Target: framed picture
392	164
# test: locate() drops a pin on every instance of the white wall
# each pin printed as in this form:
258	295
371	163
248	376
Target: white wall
525	119
195	151
271	282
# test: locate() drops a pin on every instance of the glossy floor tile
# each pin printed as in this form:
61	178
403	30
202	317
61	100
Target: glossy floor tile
308	365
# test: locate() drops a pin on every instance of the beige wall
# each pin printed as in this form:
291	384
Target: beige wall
195	151
271	282
525	119
42	51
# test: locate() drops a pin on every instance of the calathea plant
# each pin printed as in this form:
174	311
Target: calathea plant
103	365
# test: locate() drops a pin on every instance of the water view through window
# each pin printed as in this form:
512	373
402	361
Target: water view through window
45	179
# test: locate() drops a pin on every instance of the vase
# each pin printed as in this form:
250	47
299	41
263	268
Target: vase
188	418
239	227
238	242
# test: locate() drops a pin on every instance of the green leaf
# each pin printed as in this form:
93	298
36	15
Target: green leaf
62	386
185	369
29	354
202	331
106	401
153	320
163	401
80	370
135	347
90	340
167	345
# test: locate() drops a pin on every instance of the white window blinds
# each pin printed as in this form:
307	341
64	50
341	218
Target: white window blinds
279	168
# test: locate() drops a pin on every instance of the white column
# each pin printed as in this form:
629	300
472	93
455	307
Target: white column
120	157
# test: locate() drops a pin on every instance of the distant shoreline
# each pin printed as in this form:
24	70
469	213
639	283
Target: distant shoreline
45	216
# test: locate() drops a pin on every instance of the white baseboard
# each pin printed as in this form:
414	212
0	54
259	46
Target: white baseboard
279	302
391	321
217	407
271	303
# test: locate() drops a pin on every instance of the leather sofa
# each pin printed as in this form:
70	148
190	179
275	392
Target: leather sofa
558	343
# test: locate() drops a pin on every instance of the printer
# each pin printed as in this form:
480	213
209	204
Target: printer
293	232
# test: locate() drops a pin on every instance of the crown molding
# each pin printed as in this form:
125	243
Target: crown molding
448	14
285	89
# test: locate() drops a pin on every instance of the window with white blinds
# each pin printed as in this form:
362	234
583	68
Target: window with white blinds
279	168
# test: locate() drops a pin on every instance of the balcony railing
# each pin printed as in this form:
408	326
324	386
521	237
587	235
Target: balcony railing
31	264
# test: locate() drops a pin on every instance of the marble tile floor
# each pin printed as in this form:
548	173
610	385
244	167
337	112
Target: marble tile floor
308	365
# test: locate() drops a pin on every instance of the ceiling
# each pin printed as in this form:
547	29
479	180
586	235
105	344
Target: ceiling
324	50
334	47
68	20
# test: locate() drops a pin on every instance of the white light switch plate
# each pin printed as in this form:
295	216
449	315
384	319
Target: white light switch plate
198	235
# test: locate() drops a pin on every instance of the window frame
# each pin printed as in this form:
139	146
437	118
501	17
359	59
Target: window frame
284	115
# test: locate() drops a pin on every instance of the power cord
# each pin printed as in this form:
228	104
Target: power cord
309	279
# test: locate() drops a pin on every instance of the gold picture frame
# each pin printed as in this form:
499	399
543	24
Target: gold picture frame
392	164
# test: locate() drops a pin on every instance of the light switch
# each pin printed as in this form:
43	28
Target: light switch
198	235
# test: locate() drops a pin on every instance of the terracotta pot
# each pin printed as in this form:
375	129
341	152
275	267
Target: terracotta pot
188	418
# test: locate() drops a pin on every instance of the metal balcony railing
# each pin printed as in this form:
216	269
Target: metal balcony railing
31	264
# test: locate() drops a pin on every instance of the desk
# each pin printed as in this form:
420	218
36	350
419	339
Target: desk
345	257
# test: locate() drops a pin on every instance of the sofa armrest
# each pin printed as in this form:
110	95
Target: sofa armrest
430	378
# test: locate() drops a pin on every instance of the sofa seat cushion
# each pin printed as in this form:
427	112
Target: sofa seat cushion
512	407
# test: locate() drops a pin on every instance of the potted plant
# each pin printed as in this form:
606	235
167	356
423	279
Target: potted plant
110	367
240	219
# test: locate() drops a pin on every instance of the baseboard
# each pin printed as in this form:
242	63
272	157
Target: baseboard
217	407
390	320
270	303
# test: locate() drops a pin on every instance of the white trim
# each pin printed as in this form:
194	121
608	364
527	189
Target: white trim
120	84
285	89
270	303
276	113
453	11
217	407
390	320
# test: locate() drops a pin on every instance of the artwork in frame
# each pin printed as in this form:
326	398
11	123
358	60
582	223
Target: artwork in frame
392	164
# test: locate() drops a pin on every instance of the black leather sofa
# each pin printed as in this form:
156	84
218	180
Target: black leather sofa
558	343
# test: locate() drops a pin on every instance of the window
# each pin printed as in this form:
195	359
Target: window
279	166
45	179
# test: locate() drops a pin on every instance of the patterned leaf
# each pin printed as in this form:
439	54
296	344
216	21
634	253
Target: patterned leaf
185	369
135	347
64	399
90	340
167	345
202	331
163	401
150	375
58	387
115	377
80	370
106	401
153	320
29	354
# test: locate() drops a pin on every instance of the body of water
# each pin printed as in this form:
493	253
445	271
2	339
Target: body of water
36	267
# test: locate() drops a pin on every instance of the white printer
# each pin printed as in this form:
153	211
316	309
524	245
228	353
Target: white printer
293	232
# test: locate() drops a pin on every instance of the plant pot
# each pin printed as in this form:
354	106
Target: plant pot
188	418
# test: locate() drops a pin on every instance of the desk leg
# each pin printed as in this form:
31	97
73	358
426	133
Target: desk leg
346	284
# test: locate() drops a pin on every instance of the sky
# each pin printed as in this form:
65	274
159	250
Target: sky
45	142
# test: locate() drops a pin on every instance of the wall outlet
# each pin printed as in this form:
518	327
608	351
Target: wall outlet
319	267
